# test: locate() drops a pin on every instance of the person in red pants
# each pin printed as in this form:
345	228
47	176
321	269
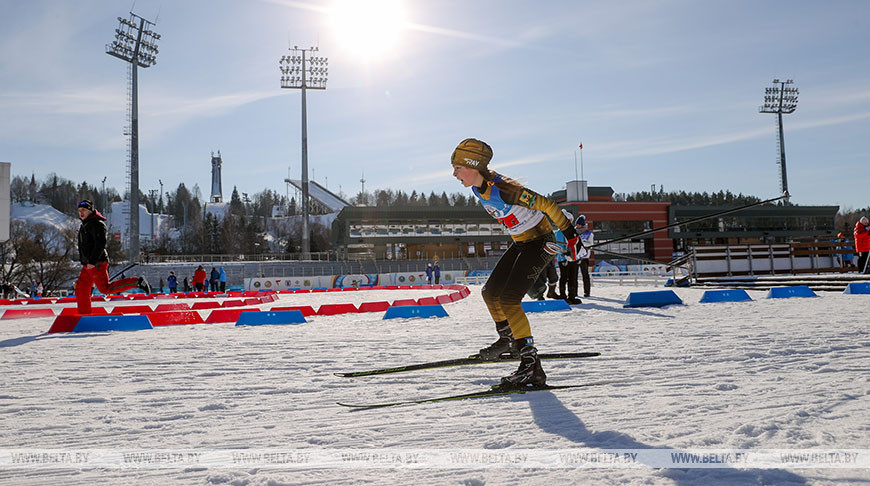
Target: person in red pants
92	238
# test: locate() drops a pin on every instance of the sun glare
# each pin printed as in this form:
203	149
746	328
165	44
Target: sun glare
368	29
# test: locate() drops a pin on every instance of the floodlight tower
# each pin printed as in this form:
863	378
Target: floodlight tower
136	43
304	73
780	99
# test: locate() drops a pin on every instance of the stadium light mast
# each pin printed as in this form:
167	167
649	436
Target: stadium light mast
136	43
304	73
781	99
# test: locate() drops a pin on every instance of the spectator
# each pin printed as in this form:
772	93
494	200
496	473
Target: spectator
213	279
429	273
862	243
568	268
172	282
39	290
848	258
586	240
161	285
199	278
436	270
222	278
32	289
186	285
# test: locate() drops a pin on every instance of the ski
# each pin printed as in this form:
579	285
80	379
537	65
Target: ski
495	391
474	359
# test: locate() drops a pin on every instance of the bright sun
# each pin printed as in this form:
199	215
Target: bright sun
368	29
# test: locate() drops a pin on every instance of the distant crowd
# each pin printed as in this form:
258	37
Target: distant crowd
200	281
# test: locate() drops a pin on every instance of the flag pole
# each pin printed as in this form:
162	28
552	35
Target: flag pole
575	165
582	177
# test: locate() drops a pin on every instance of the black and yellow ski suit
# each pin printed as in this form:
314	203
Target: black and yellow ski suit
521	212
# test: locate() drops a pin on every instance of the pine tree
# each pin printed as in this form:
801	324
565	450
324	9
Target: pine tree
236	206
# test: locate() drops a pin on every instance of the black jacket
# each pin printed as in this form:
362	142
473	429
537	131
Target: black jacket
92	240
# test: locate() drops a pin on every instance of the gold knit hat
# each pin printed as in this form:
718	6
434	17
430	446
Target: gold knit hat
472	153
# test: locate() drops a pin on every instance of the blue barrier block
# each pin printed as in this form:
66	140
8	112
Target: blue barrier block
787	292
412	311
112	323
729	295
858	288
655	298
270	317
545	306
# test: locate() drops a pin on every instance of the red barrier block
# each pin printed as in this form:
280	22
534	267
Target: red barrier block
455	296
374	306
314	291
349	289
333	290
379	287
19	301
64	323
213	294
302	291
42	300
118	297
25	313
391	287
233	303
235	293
142	297
424	287
163	296
286	291
306	310
333	309
404	302
173	318
205	305
443	299
172	307
226	315
250	293
178	295
464	292
405	287
427	301
95	311
132	309
253	301
196	295
7	301
94	298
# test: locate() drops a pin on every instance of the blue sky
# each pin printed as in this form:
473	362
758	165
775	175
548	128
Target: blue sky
659	92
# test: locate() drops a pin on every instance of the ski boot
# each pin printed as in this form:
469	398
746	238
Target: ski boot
551	292
504	344
530	374
573	300
144	285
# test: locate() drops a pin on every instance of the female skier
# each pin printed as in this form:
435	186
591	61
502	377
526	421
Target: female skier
521	211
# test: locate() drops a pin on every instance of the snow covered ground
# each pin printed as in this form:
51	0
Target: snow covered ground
769	374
